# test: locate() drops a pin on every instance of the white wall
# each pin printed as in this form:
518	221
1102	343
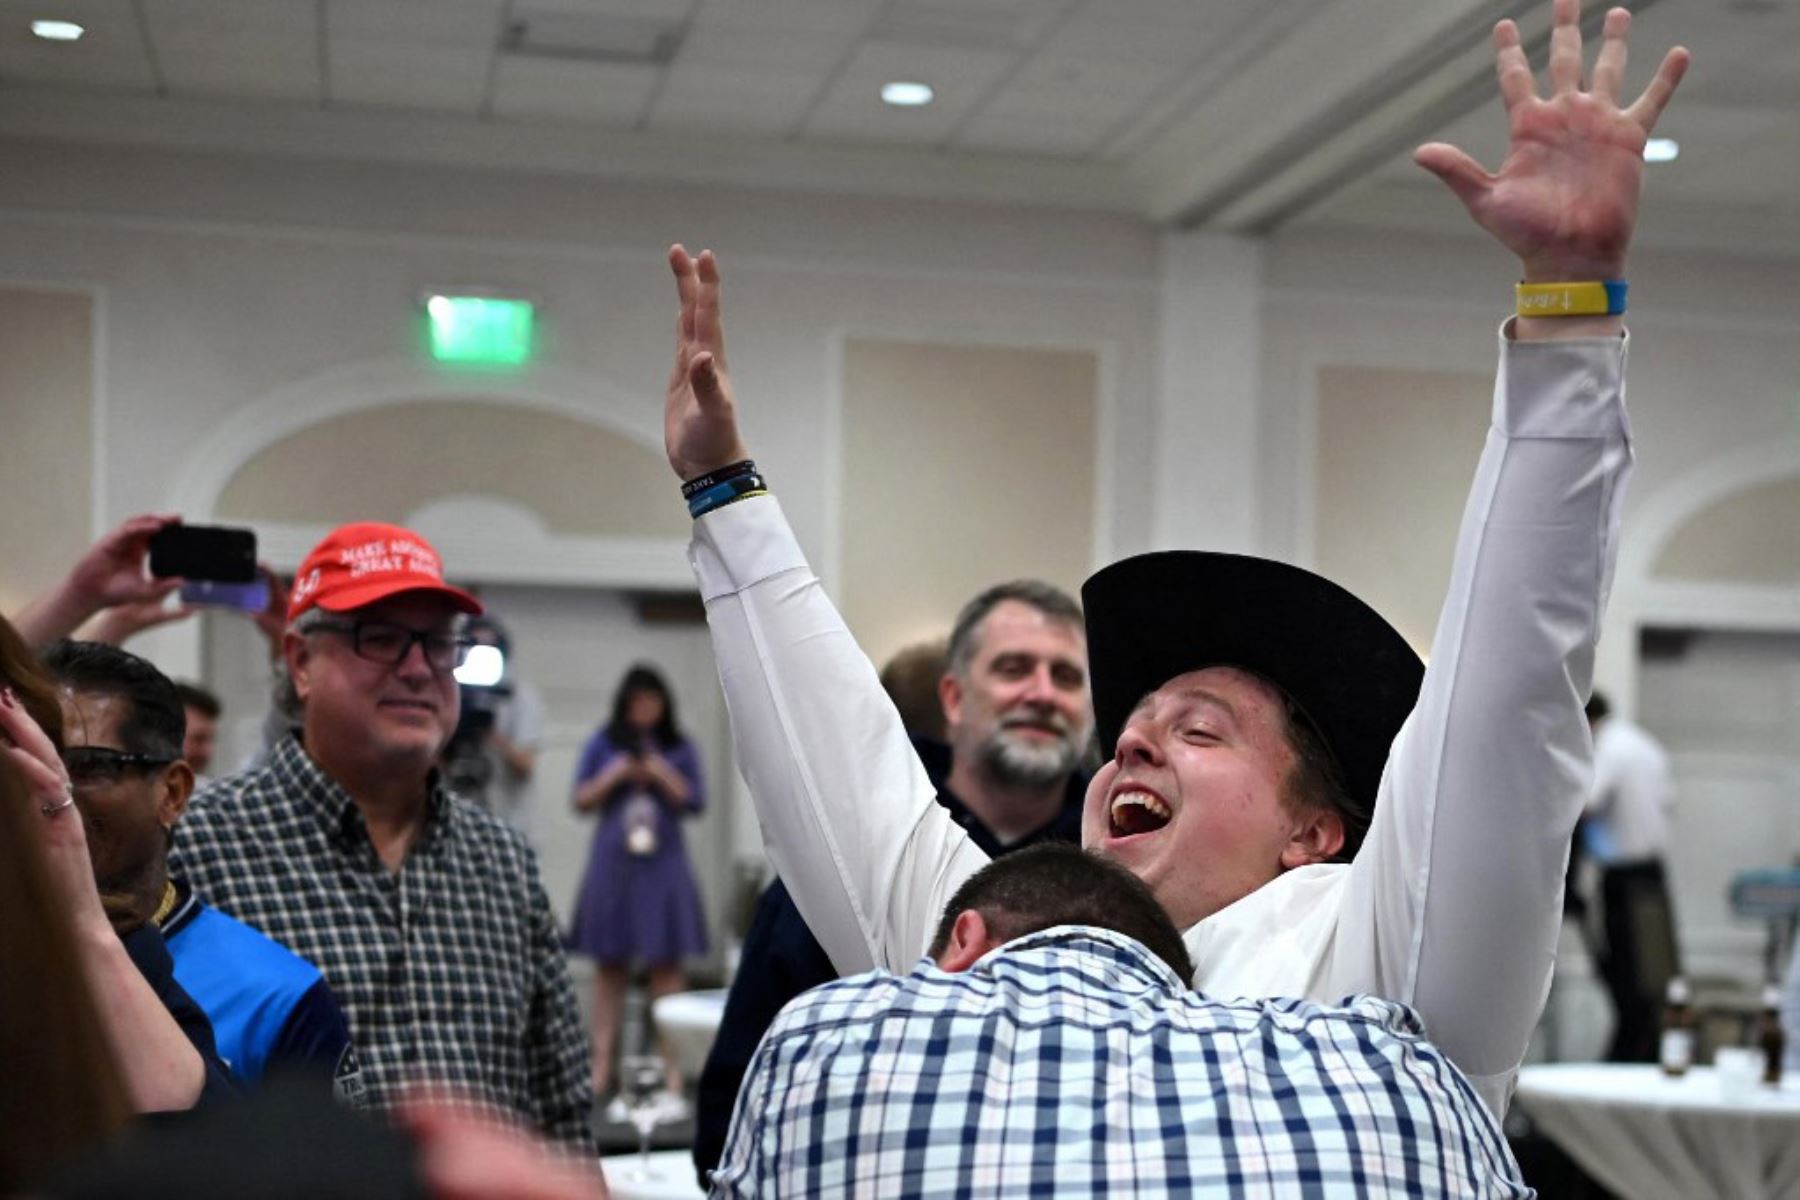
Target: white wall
1715	361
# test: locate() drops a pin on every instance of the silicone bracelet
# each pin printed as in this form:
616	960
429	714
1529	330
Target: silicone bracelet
1571	299
700	483
721	494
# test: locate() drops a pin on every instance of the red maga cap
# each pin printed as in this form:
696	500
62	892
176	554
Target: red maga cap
361	563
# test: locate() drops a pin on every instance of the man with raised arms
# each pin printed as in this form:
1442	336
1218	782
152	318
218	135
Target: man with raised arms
1319	813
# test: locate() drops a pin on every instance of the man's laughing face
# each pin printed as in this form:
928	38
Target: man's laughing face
1194	800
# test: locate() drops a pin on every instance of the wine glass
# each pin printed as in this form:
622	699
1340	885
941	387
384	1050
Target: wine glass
640	1079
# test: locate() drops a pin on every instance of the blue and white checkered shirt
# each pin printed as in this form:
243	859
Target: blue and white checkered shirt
1074	1062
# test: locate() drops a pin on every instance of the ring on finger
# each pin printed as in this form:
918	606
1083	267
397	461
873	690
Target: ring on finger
50	810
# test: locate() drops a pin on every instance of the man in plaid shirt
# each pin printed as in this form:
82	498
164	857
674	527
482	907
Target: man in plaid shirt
424	912
1055	1048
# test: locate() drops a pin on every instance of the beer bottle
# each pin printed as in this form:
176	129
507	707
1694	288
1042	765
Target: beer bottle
1771	1035
1677	1028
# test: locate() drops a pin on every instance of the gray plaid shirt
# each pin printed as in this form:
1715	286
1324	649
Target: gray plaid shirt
451	969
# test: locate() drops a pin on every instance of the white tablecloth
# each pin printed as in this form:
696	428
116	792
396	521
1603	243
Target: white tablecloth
1649	1137
688	1022
670	1176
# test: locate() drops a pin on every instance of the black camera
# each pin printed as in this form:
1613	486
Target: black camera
483	687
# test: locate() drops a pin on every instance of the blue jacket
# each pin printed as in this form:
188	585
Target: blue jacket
268	1006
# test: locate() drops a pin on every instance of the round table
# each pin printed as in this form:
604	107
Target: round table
1647	1136
668	1175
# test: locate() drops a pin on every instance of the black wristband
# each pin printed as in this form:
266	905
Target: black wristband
700	483
729	492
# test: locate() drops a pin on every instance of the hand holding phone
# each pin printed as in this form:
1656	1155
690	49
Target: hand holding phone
112	569
109	573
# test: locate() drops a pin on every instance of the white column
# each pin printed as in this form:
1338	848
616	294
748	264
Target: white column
1204	493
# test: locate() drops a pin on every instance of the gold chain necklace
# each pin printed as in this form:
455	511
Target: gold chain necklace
168	903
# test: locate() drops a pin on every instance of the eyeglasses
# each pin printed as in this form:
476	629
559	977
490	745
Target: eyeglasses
389	644
102	766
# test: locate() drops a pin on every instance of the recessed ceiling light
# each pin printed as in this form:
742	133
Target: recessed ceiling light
1661	150
902	94
57	31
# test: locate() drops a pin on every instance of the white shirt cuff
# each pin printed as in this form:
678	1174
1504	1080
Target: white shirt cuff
742	543
1561	389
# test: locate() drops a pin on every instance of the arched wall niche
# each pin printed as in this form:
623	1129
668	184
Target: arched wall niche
576	461
1714	548
580	478
1750	536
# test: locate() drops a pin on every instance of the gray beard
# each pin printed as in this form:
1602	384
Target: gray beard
1019	763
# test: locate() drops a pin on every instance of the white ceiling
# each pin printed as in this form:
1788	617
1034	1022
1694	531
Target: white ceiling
1239	114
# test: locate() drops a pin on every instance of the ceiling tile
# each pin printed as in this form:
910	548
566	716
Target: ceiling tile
842	18
439	78
263	49
797	50
257	72
738	101
1059	138
468	23
852	109
109	55
1215	17
670	11
1728	155
1072	89
603	93
966	24
652	9
1158	45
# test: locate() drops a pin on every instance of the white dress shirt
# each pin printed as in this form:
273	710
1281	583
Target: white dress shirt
1454	901
1633	789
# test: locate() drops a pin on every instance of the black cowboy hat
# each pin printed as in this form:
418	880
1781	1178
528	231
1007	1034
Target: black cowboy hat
1156	616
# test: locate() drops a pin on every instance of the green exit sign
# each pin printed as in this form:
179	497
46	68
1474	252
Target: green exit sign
483	330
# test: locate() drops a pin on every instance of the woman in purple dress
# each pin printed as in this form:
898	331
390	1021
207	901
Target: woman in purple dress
638	902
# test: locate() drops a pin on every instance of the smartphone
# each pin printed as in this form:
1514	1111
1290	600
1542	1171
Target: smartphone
214	552
251	597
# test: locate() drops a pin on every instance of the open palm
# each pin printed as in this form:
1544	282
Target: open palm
1565	199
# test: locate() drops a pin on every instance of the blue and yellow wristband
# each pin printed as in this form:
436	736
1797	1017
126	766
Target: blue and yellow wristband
1603	299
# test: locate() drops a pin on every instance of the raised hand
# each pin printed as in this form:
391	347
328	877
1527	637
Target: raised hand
700	429
1565	199
62	835
112	571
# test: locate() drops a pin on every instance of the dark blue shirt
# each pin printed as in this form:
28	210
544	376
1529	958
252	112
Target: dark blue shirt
268	1006
782	959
